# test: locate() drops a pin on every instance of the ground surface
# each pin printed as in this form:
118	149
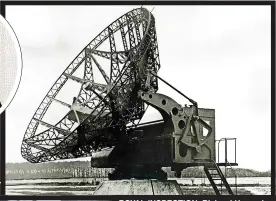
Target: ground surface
68	187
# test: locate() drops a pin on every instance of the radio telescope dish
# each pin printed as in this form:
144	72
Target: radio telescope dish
93	101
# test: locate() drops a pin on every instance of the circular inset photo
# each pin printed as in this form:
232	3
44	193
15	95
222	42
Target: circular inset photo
10	64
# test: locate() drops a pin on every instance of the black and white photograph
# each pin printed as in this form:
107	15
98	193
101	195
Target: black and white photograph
141	100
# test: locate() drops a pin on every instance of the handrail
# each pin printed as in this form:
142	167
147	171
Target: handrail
225	140
235	175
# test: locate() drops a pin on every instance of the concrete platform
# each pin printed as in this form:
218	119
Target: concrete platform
138	187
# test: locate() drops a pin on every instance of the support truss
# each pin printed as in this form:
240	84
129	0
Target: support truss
101	109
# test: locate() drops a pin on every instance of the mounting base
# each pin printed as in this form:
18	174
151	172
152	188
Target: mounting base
135	172
138	187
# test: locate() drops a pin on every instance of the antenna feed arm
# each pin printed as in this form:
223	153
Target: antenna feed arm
191	100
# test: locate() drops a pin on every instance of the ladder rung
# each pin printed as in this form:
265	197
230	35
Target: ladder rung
214	174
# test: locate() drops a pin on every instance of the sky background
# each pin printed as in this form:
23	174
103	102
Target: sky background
216	55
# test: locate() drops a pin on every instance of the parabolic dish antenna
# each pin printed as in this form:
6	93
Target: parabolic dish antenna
95	98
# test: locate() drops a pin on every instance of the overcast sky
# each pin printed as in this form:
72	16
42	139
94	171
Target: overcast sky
217	55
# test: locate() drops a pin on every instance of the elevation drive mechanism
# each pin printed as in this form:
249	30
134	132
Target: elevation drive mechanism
95	107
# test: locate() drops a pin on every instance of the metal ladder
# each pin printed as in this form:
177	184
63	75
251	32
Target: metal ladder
228	165
214	174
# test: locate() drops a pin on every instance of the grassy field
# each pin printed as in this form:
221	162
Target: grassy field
87	188
210	191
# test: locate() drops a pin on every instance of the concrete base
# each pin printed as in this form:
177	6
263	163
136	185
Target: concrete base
138	187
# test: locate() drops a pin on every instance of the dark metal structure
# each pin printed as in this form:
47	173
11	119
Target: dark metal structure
109	106
103	119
